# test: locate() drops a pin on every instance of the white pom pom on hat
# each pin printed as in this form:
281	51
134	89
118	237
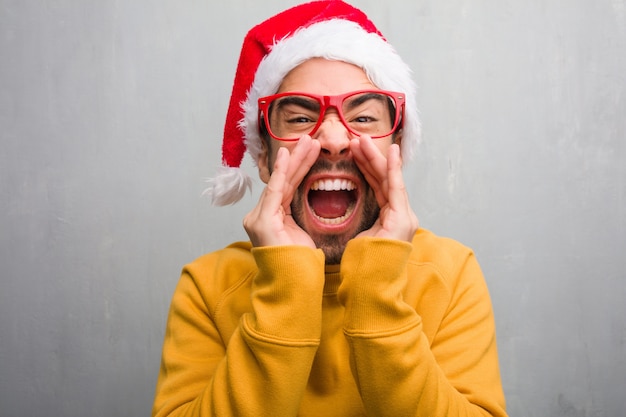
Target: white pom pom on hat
330	29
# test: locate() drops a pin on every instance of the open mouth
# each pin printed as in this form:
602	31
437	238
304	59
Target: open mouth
332	201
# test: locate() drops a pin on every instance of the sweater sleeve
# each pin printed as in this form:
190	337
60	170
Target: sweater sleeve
262	370
398	370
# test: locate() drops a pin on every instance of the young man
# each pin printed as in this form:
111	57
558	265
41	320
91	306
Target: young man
338	305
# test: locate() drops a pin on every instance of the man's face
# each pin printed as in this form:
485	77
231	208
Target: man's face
333	202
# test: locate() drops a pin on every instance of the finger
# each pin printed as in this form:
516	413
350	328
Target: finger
272	196
303	156
397	194
371	166
301	159
267	216
372	157
368	174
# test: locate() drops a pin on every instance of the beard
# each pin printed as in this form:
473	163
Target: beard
334	244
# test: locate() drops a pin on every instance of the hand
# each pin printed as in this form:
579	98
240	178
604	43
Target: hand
397	219
270	222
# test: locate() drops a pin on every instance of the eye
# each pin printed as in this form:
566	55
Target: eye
299	119
363	119
293	121
293	115
297	110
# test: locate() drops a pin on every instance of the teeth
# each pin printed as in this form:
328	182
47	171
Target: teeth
333	185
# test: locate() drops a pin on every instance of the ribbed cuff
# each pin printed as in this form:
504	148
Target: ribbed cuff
287	292
373	277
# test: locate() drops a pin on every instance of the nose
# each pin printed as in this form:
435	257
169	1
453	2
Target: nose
334	137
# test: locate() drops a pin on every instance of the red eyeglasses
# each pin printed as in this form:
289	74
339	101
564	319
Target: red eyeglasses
288	116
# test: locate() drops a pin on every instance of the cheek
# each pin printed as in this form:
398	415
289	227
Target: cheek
266	161
274	146
383	144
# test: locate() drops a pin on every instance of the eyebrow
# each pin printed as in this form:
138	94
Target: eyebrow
362	98
305	102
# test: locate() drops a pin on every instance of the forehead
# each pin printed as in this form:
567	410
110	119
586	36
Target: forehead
322	76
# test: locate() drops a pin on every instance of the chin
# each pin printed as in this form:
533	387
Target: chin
333	204
333	243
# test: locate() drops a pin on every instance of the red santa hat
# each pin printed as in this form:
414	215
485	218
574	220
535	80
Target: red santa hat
329	29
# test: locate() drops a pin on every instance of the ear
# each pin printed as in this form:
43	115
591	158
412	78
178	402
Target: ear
397	137
263	162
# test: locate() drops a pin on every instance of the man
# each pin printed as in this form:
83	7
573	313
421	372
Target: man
338	305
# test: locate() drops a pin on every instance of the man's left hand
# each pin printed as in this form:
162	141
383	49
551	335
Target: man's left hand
384	174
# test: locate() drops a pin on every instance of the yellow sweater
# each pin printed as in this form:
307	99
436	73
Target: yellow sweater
396	330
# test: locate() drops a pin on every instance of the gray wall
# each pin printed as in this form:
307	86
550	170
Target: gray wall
110	118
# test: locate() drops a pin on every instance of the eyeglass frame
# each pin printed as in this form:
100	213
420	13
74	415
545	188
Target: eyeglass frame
327	102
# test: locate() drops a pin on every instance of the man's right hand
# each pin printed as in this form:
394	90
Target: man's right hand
270	222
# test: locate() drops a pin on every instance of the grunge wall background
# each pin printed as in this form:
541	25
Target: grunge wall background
110	118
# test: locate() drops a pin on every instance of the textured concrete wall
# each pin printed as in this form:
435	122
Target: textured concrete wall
111	115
